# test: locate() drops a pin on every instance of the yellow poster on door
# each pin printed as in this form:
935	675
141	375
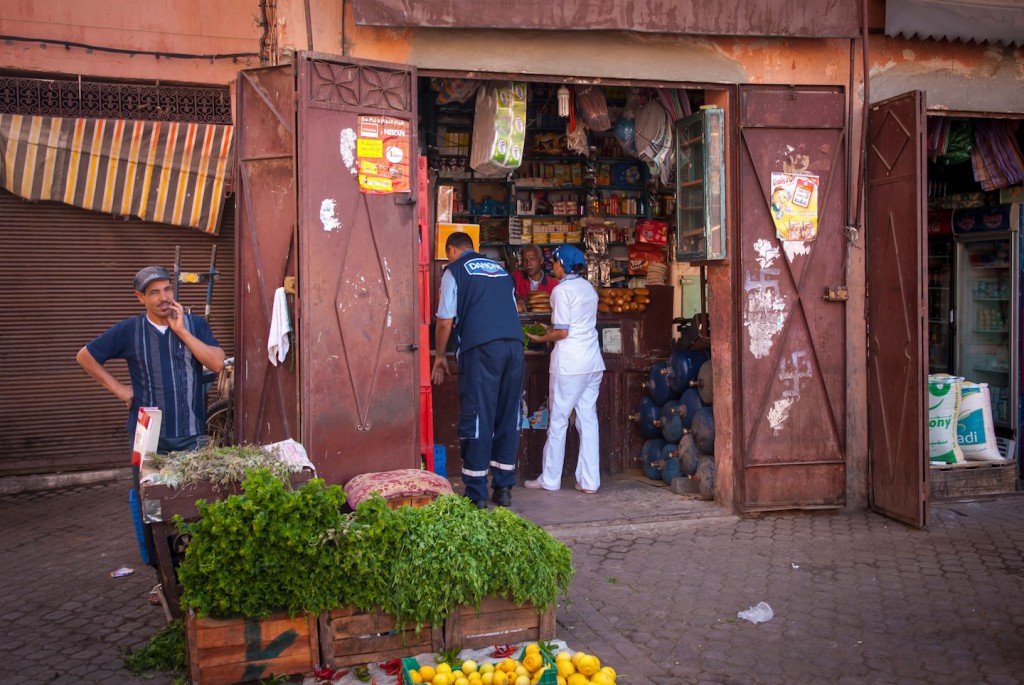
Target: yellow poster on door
794	206
382	151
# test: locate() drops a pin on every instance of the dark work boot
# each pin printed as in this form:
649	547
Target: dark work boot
502	497
479	504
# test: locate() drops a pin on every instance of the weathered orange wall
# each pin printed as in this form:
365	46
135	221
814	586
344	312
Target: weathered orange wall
955	76
182	26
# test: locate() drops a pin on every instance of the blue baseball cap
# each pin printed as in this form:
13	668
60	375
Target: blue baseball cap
569	256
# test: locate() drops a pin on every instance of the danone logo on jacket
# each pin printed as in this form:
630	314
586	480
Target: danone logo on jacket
484	267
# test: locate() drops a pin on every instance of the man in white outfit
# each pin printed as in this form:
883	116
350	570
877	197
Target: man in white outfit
574	374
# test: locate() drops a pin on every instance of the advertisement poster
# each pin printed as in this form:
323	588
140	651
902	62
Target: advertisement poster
382	153
794	206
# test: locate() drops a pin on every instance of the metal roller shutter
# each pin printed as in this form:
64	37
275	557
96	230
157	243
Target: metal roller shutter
65	277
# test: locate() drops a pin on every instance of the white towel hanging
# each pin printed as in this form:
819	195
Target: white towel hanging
280	327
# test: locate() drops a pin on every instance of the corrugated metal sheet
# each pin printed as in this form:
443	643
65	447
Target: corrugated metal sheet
982	21
802	18
65	276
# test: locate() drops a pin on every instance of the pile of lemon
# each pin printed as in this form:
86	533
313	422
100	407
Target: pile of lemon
571	669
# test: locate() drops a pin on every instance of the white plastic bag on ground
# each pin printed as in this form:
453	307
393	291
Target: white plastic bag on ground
943	400
975	432
759	613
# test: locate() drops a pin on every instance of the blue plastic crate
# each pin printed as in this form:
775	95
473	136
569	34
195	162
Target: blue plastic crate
441	461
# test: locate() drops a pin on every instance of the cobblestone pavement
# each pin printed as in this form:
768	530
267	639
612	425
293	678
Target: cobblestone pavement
65	620
857	598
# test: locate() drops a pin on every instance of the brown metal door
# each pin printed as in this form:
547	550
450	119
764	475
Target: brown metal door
358	332
793	341
266	396
896	304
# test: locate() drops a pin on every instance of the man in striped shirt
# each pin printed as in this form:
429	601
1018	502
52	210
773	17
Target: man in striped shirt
166	350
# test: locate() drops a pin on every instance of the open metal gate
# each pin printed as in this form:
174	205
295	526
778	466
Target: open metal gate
312	212
896	308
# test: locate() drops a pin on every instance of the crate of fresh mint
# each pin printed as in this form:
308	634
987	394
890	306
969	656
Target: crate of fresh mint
382	581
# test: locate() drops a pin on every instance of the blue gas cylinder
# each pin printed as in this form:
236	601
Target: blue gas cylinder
650	457
704	430
689	405
657	384
646	414
671	421
683	367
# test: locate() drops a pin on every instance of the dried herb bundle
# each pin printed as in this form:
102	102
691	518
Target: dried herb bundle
217	465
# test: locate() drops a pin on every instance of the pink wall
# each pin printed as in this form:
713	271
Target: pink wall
182	26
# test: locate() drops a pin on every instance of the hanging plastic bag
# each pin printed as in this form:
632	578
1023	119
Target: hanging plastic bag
454	89
959	142
625	135
576	133
593	108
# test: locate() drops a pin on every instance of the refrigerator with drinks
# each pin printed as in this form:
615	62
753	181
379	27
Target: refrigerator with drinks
987	324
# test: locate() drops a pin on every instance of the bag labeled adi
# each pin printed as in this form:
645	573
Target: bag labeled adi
975	432
943	407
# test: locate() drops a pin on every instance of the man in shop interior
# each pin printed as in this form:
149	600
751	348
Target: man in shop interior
166	350
532	277
477	303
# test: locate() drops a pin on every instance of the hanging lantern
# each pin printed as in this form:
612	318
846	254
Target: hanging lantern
563	102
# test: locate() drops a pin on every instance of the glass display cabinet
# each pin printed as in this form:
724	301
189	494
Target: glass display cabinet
700	186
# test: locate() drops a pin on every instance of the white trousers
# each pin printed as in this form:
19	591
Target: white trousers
565	393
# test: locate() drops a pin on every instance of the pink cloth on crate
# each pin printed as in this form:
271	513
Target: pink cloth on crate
396	484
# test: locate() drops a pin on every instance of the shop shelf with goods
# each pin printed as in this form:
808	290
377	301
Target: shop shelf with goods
472	198
621	186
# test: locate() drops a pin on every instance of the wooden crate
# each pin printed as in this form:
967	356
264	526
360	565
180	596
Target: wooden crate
498	622
972	478
182	501
411	501
350	637
234	650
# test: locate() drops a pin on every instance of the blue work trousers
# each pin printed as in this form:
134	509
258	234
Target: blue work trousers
490	389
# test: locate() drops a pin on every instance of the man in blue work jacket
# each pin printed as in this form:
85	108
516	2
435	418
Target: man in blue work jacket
478	302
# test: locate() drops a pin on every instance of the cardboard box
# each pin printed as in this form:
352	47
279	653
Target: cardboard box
444	230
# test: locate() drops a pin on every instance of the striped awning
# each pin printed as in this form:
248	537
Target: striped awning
166	172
